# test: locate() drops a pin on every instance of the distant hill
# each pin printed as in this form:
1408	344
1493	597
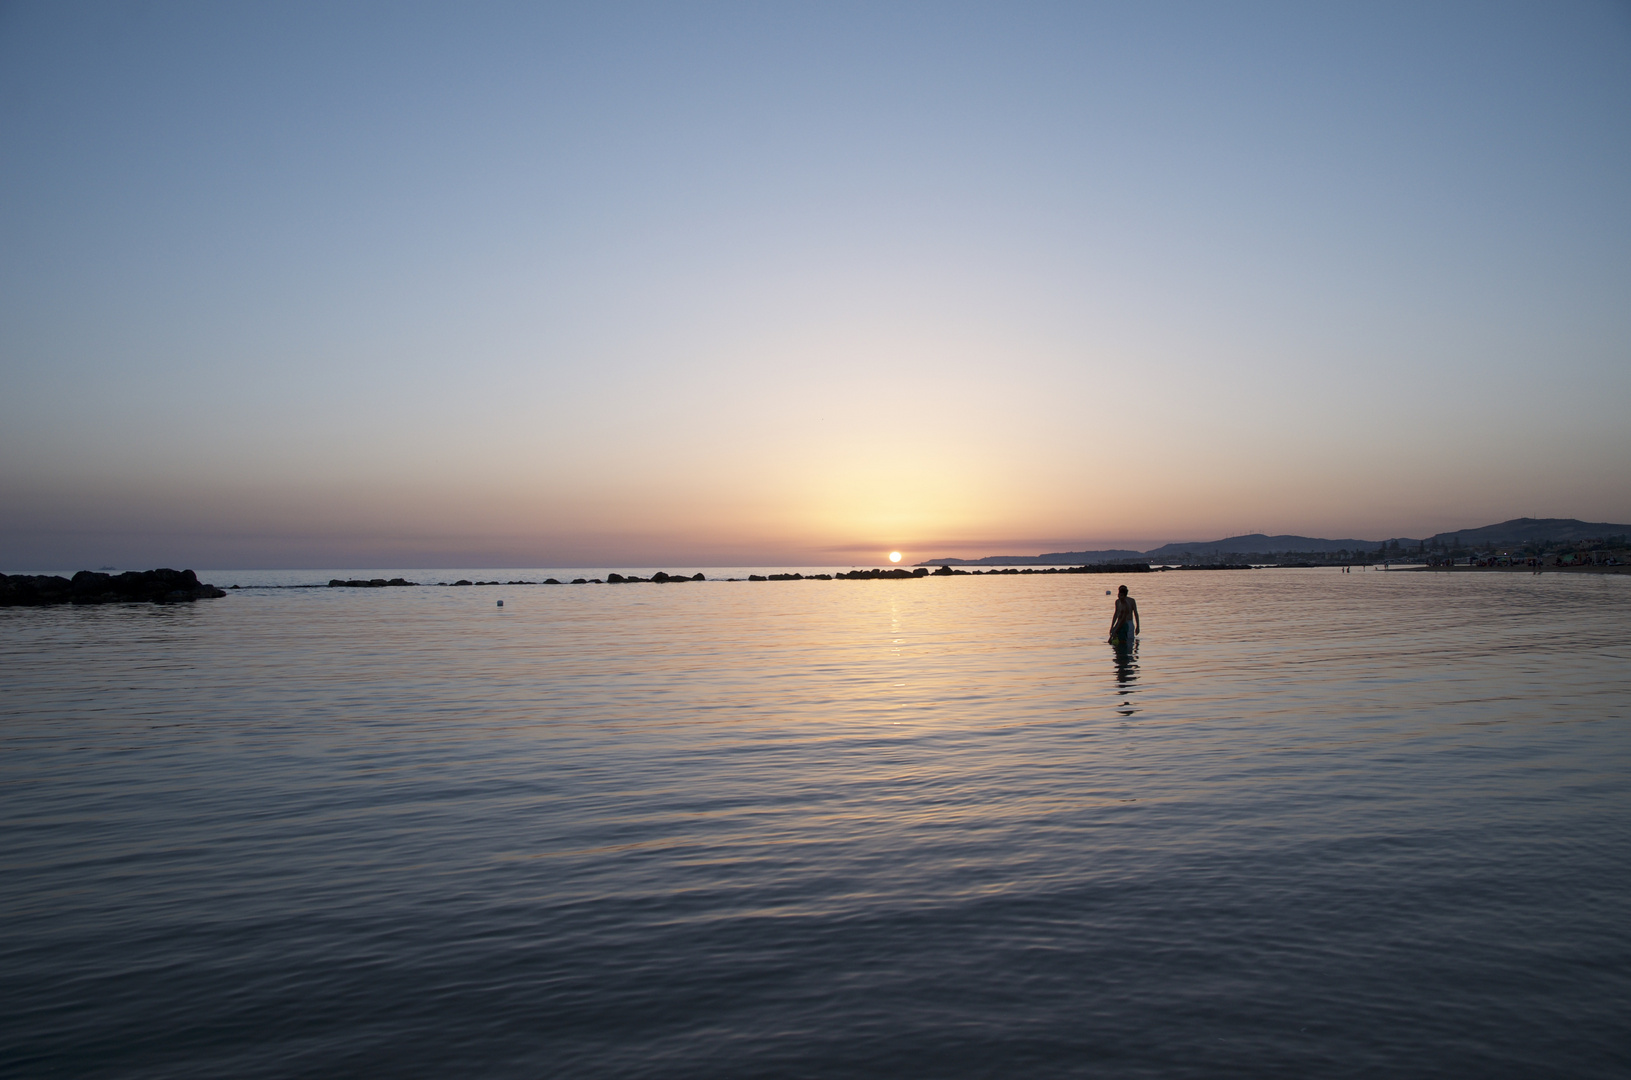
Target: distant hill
1255	543
1056	558
1533	531
1515	532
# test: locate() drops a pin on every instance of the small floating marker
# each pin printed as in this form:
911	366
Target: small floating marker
501	603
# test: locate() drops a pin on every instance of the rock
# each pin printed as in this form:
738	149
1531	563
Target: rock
163	586
34	590
895	574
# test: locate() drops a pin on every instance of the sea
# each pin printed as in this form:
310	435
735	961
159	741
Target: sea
1316	824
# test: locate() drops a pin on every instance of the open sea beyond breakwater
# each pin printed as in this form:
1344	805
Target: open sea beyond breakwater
1317	824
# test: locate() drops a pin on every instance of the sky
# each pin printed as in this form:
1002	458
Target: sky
329	285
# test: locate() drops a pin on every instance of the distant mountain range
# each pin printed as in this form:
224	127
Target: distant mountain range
1252	543
1532	531
1515	532
1056	558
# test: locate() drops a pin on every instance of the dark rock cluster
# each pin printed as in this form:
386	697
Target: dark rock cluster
611	579
91	587
1094	568
660	577
371	583
873	575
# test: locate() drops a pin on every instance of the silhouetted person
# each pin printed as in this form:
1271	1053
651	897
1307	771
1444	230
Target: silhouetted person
1124	622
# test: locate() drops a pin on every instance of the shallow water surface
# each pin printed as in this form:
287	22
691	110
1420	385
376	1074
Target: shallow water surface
1316	824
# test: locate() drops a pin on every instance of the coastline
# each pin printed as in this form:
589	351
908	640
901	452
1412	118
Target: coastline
1586	569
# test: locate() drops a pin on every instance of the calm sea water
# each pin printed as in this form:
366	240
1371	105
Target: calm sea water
1319	824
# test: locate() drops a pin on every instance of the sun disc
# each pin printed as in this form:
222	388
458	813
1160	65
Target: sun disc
894	556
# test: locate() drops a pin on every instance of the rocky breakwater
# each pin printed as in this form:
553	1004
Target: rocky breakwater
89	587
1092	568
852	575
895	574
661	577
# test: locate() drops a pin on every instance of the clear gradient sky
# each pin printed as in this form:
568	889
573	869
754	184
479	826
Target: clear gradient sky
489	284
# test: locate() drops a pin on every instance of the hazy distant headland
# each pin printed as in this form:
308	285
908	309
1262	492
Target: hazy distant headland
1537	535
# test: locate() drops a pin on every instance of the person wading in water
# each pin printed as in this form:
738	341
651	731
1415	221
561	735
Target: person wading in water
1124	623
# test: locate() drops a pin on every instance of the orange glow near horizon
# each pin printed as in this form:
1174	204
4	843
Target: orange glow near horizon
597	311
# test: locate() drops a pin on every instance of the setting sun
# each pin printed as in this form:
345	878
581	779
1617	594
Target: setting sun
894	556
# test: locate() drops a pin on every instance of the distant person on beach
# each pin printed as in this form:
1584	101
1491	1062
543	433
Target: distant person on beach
1124	622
